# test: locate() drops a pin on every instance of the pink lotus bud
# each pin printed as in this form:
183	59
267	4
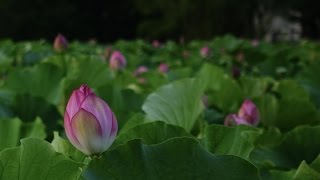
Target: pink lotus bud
156	44
60	43
117	61
205	52
233	120
248	114
163	68
89	123
140	70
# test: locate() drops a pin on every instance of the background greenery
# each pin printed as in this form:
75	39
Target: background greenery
165	129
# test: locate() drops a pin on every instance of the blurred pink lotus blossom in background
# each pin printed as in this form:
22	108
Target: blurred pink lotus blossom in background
163	68
117	61
205	52
60	43
156	44
248	114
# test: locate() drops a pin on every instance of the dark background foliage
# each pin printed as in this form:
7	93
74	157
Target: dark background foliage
129	19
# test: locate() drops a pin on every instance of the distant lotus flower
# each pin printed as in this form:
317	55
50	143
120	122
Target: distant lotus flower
142	80
255	43
205	51
60	43
89	123
156	44
233	120
140	70
117	61
163	68
248	114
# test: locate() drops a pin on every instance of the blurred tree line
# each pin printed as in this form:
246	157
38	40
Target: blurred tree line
162	19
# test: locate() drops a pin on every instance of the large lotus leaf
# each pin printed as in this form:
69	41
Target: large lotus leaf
287	112
291	89
238	141
12	130
178	103
294	106
134	120
151	133
42	80
224	91
5	62
177	158
309	78
35	56
253	87
6	98
270	137
63	146
227	42
281	175
298	145
93	72
27	108
122	101
295	111
179	73
89	70
36	159
268	106
304	172
152	80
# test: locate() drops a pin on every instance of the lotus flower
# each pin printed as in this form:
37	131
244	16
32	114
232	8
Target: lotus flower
156	44
140	70
89	123
255	43
205	51
142	80
117	61
163	68
248	114
60	43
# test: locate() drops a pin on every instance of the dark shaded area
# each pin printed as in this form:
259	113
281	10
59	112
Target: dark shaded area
130	19
83	20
